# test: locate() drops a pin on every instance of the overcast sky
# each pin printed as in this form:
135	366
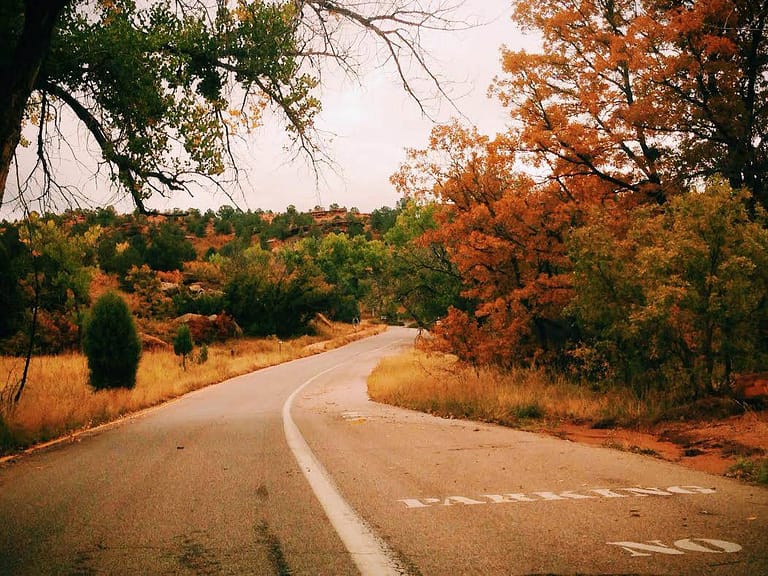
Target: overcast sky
372	122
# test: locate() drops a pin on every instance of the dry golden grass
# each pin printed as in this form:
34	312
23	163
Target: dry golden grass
57	399
440	385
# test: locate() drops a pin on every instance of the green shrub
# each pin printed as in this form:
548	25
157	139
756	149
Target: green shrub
168	248
272	300
761	477
183	344
676	302
205	304
111	343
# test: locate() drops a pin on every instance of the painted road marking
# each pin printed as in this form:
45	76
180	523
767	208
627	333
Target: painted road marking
354	417
369	552
597	493
705	545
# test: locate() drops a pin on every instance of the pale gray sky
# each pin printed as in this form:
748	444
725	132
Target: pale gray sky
372	122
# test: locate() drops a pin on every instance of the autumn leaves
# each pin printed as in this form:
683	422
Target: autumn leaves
616	230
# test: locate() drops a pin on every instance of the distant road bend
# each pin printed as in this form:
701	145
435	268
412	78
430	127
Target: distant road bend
292	470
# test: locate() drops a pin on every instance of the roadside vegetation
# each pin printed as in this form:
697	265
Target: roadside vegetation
751	470
607	254
530	397
522	397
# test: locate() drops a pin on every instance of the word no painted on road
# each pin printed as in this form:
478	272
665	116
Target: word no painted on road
599	493
684	546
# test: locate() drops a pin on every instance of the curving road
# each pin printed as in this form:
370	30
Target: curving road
291	470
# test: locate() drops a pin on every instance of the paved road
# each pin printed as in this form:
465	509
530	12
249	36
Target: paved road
209	484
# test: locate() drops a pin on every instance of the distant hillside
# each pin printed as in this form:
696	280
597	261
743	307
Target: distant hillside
269	272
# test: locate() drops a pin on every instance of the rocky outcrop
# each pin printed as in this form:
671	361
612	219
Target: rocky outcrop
210	328
152	343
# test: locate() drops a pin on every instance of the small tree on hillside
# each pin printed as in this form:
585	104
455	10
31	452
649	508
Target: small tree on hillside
183	344
112	344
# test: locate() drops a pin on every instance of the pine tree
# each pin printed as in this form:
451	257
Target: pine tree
112	344
183	344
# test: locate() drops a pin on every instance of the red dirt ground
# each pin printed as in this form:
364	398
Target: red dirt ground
711	446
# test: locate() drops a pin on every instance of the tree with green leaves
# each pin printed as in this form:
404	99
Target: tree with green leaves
118	251
45	285
189	76
183	344
352	266
384	218
275	293
111	343
13	257
168	248
678	301
422	277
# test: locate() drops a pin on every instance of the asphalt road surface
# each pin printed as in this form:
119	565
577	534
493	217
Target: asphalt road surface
291	470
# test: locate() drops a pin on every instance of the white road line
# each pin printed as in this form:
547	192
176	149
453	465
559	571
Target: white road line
369	552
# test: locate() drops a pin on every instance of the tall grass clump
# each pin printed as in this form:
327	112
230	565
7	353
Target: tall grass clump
6	439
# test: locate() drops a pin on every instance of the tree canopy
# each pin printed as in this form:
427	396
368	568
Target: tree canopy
161	87
642	98
596	234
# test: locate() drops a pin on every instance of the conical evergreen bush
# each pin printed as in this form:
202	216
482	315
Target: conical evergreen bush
112	344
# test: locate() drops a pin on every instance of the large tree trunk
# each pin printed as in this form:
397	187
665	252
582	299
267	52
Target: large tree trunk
18	78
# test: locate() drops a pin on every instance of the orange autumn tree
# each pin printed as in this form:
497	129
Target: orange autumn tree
637	102
647	96
629	105
708	62
505	235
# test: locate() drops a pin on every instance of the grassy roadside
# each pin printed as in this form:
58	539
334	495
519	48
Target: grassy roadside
534	400
440	385
58	401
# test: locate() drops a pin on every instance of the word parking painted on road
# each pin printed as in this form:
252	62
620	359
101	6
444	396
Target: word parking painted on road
598	493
